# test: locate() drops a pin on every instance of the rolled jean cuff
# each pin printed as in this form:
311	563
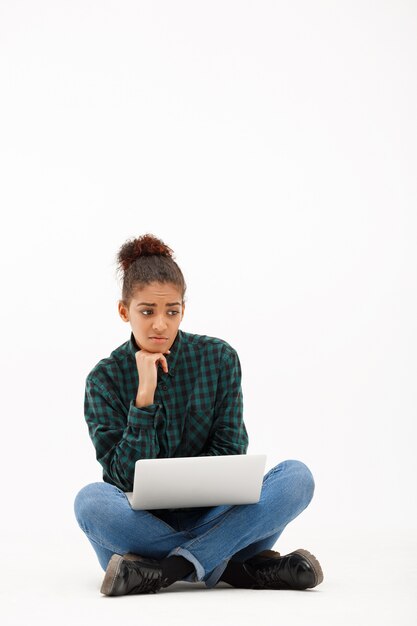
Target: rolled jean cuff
199	573
214	577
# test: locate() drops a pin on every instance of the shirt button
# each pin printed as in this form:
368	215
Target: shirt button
164	387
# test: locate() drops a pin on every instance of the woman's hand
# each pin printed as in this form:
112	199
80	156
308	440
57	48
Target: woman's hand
147	364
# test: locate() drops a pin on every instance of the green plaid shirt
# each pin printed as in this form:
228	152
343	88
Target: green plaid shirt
197	410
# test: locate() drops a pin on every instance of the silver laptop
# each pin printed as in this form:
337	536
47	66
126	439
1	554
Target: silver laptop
195	481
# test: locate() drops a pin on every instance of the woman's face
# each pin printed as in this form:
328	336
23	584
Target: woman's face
155	311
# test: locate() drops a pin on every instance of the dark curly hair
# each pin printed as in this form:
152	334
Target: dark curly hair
144	260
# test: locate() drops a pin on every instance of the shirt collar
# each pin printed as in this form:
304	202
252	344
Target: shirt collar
171	358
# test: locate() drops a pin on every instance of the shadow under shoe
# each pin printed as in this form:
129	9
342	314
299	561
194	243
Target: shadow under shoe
297	570
130	574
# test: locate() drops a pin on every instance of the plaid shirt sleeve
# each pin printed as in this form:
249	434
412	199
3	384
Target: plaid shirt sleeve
228	434
119	440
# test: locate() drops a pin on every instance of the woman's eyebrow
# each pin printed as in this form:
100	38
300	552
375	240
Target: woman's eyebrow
154	304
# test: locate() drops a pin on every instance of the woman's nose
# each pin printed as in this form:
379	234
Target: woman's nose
159	324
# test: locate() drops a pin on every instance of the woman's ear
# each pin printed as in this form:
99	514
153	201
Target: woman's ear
123	311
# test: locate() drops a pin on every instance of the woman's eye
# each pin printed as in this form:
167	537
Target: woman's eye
150	311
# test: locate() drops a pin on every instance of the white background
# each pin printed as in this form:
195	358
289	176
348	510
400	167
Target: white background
272	146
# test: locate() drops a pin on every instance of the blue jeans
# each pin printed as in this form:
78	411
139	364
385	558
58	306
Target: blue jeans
208	537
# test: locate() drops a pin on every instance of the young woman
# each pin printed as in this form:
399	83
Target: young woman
169	393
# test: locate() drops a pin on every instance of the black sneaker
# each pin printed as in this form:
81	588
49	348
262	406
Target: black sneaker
130	574
297	570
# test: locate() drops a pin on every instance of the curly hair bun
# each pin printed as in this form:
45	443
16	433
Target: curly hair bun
141	246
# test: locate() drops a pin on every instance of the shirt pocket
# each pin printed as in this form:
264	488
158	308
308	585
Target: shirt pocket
197	409
199	419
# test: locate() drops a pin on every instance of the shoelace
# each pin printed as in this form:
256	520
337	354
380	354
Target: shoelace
270	576
150	583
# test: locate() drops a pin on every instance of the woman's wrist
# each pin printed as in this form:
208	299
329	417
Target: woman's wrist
144	398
